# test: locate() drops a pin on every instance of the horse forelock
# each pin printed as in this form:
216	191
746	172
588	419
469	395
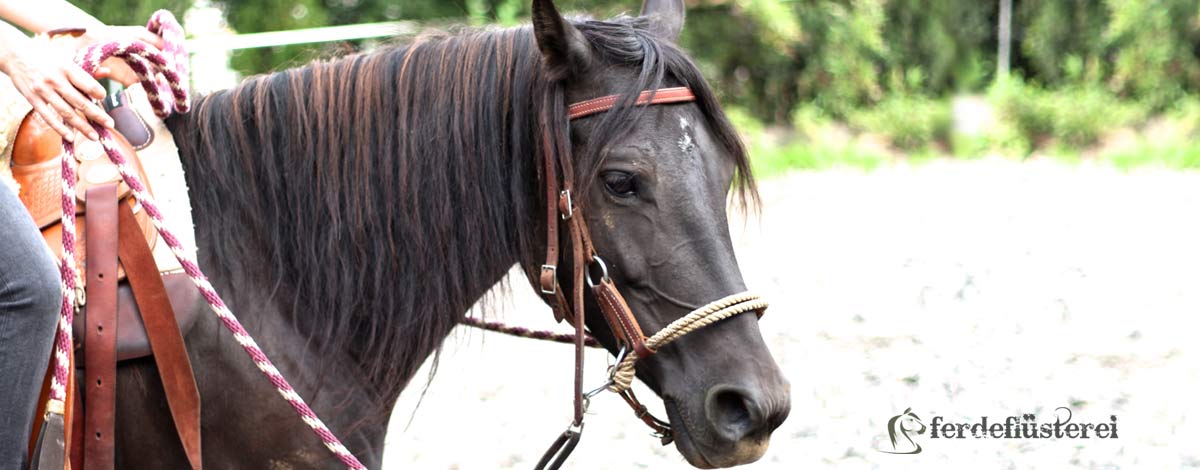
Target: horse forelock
631	42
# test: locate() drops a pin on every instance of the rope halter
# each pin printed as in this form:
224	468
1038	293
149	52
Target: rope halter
623	372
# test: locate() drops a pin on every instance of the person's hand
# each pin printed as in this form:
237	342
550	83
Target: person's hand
59	90
118	69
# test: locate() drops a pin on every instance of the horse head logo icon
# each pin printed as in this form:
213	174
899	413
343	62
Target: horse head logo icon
899	429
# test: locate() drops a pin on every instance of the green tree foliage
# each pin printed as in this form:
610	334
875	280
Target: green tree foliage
273	15
1155	46
938	46
773	57
130	12
1062	41
754	60
839	55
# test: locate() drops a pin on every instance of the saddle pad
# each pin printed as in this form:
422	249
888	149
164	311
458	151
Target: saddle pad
165	171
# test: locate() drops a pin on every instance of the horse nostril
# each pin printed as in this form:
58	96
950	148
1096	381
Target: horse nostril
733	412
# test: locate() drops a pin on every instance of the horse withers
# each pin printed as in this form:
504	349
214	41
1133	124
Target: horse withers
351	211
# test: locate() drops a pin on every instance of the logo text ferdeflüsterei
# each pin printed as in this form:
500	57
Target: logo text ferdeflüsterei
1024	427
905	429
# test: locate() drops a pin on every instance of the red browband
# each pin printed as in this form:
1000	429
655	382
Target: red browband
605	103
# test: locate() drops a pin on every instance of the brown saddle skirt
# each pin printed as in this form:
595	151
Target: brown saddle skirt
36	163
132	341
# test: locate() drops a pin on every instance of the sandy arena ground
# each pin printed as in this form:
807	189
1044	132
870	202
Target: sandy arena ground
960	289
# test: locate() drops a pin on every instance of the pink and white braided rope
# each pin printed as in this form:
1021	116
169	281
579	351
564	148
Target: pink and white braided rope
522	332
154	68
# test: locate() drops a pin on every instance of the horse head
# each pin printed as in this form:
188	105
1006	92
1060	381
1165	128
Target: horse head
912	423
655	183
903	424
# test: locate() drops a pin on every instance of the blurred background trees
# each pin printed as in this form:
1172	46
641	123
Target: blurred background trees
890	67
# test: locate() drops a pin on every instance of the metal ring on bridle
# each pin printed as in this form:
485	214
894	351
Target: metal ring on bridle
596	259
612	373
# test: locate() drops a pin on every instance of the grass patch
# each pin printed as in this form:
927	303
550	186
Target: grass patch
910	123
1074	118
1068	125
774	160
815	144
1172	155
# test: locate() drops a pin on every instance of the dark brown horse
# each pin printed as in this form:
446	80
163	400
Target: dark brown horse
351	211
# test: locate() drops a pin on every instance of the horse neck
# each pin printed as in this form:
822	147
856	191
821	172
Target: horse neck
422	238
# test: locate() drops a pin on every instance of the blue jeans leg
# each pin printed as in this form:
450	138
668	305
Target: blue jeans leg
30	298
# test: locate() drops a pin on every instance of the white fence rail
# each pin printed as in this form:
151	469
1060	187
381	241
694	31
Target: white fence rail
214	43
301	36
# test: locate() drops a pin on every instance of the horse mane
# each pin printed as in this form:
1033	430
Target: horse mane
380	192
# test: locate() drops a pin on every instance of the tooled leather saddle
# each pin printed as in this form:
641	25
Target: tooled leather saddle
128	309
36	163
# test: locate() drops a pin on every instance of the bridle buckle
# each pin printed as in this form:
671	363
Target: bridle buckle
553	270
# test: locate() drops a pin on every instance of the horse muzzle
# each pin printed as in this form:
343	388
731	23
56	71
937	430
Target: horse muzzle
727	421
733	426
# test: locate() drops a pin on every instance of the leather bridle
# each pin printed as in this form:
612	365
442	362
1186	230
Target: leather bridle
630	337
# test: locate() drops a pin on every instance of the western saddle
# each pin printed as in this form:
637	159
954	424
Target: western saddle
128	309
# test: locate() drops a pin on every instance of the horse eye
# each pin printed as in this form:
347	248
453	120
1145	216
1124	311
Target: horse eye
620	183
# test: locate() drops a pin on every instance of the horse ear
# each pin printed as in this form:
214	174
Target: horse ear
563	47
667	16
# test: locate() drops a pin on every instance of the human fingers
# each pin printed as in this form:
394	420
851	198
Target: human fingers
89	108
81	80
118	70
84	82
148	37
52	118
73	117
33	86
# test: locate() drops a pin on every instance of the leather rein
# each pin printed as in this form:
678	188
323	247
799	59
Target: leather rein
630	337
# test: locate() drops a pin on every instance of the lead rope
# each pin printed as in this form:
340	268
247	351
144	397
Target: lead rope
621	374
153	69
521	332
